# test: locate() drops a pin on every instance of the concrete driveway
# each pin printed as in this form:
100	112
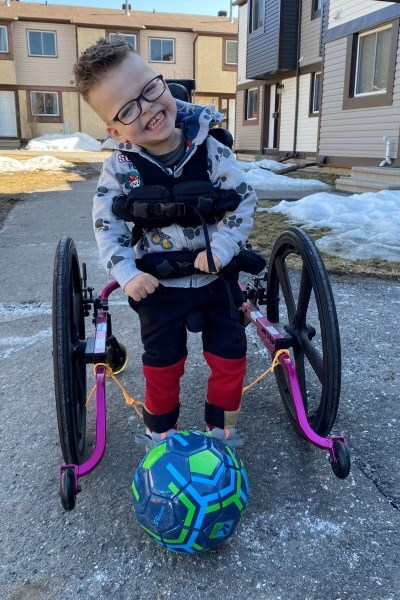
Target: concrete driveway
306	535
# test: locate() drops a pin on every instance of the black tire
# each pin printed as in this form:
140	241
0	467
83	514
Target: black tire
307	311
68	352
67	486
342	466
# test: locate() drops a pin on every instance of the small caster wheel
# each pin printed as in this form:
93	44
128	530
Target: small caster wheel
341	467
67	489
117	358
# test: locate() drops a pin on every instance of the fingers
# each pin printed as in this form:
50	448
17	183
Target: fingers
141	286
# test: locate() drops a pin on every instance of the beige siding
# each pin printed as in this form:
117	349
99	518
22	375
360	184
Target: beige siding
209	72
91	123
242	46
357	132
247	137
307	129
42	71
70	111
288	103
310	36
343	11
183	67
87	36
7	72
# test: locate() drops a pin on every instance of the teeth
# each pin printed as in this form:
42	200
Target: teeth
154	122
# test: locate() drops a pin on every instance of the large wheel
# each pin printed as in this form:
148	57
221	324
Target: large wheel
68	352
300	297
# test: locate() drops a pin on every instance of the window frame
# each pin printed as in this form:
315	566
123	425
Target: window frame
225	65
261	10
351	101
167	62
313	96
7	51
316	9
9	55
365	34
45	118
47	31
123	35
251	120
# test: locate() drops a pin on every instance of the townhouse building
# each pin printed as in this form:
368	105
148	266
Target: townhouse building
319	79
39	44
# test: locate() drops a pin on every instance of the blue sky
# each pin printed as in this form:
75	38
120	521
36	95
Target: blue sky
205	7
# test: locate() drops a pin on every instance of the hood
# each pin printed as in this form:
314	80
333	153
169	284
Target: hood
195	122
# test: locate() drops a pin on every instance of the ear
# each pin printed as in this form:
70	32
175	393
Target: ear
116	135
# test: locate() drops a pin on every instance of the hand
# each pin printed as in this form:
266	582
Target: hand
141	286
201	262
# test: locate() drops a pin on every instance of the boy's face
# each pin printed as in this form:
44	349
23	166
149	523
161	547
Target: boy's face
154	129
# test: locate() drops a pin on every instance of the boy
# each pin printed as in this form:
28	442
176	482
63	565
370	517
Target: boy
184	192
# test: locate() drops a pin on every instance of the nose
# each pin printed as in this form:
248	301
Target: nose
146	104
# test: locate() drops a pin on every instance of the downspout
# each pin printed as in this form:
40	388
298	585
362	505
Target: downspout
194	58
79	96
296	109
296	113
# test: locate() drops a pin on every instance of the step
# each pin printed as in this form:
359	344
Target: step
9	144
384	174
360	186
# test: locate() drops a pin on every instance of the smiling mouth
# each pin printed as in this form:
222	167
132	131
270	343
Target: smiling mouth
156	121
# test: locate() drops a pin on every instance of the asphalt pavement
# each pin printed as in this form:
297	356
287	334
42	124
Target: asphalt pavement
305	536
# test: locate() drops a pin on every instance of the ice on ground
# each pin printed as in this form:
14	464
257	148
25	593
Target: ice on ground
39	163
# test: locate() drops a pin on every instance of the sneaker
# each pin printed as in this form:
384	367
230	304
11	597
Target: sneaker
229	436
151	438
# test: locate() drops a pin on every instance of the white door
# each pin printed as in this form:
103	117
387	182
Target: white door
8	116
272	118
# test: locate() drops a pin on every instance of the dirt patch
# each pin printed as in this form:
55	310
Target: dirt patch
17	186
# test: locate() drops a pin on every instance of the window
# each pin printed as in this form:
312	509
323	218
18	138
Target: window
315	87
372	62
316	8
42	43
161	50
129	37
256	15
370	67
231	52
251	104
3	39
44	104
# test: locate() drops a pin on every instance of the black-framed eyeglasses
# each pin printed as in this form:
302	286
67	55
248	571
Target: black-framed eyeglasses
133	109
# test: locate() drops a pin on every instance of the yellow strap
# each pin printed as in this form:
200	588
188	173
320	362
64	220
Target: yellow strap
128	399
274	364
136	403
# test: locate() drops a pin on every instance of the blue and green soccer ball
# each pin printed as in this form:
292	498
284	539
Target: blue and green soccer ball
189	492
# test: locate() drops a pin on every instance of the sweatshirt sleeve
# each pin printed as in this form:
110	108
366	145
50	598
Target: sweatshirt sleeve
112	234
234	228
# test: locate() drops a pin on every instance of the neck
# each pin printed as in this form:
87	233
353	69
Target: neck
169	145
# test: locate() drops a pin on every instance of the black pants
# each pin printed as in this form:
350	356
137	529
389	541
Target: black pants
166	314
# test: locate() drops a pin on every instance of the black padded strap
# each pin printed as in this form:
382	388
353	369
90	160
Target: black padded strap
161	423
214	415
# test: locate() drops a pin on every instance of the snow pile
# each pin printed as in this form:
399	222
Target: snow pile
40	163
363	226
65	143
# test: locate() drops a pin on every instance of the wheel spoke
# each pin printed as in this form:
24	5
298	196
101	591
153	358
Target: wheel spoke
304	297
314	358
284	280
301	374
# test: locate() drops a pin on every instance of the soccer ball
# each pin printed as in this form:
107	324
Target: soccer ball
189	492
